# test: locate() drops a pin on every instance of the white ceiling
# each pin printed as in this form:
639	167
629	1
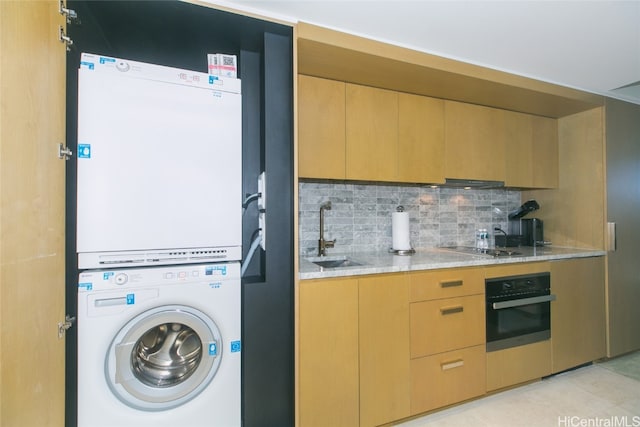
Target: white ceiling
589	45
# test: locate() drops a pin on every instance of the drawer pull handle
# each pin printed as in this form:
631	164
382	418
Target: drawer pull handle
451	310
451	365
451	283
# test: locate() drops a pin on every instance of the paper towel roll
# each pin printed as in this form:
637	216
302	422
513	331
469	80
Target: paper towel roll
400	231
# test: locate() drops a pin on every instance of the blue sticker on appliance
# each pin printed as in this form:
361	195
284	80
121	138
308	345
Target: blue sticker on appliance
104	60
236	346
131	299
85	286
212	79
84	151
213	349
107	275
217	270
88	65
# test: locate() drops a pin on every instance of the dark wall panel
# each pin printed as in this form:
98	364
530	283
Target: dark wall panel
268	306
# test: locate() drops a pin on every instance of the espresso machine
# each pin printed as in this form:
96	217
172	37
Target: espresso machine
524	231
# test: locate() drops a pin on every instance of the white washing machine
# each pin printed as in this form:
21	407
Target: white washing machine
159	346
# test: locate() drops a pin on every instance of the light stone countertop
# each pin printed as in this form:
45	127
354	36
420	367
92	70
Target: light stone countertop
431	259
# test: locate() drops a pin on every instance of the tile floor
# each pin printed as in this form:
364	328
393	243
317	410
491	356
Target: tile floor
598	395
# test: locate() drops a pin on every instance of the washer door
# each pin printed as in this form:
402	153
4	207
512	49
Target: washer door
163	358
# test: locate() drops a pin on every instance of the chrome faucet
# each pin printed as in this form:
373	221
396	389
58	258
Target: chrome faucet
324	244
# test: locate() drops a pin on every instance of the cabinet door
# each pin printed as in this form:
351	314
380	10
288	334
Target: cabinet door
321	128
420	139
384	349
474	142
578	314
372	133
519	149
545	152
531	150
328	353
32	263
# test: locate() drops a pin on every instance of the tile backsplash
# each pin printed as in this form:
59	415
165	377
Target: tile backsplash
360	217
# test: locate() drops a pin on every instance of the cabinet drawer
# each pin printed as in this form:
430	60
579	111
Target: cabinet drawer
446	283
518	364
447	378
446	324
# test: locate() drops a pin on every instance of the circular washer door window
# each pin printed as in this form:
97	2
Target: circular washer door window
163	358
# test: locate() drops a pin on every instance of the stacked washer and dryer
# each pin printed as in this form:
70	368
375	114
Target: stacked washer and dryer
159	242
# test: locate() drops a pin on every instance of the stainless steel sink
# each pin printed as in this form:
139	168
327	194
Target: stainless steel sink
334	262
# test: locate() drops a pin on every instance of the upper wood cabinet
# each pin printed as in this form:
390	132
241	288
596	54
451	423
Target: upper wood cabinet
362	133
531	145
420	139
348	131
321	128
371	133
518	149
474	142
545	154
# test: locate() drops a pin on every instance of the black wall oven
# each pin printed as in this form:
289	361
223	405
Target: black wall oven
518	310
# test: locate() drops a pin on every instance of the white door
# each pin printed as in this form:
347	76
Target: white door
163	358
32	66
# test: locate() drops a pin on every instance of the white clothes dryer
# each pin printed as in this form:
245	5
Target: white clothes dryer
160	346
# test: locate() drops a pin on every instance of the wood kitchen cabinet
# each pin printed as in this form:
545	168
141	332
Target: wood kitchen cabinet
371	133
356	132
363	133
519	165
321	128
531	147
328	353
517	365
474	142
447	337
578	315
32	224
420	139
545	154
384	349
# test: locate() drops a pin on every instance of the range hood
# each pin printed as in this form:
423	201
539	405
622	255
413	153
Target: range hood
472	183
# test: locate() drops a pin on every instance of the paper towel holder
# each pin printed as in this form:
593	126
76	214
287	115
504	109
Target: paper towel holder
401	251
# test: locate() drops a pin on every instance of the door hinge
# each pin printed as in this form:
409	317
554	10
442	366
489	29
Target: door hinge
64	326
64	153
64	38
70	14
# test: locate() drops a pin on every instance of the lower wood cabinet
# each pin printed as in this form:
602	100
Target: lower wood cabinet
353	351
446	324
328	353
578	315
447	378
447	337
380	348
384	349
518	365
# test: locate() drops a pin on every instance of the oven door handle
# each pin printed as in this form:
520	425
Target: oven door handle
523	301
